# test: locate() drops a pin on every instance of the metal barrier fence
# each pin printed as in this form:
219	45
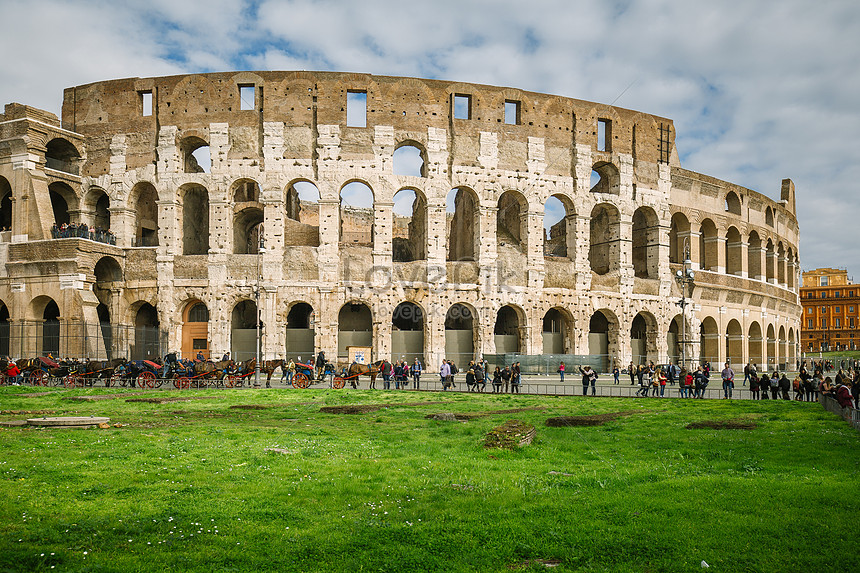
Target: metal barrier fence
850	415
78	339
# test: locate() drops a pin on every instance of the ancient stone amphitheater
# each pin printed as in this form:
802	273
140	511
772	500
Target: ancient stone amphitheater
342	212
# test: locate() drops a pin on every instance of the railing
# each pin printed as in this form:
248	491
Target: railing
850	415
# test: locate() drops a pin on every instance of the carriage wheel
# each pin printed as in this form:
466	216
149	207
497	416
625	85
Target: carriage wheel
146	380
338	382
240	381
230	380
71	380
113	380
2	379
38	378
182	383
301	380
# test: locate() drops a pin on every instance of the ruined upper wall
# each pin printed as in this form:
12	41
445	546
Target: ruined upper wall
304	100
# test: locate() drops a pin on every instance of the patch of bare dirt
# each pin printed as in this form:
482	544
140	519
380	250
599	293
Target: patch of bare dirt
100	397
592	420
250	407
722	425
17	412
512	434
162	400
465	417
367	408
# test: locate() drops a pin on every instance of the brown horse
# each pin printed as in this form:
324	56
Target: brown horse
269	366
356	369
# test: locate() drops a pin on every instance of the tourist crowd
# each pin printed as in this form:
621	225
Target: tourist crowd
83	231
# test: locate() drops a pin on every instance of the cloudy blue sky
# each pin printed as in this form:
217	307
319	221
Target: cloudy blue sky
759	91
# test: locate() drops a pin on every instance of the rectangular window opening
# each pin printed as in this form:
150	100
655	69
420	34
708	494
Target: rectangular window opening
604	135
246	97
512	112
356	108
462	106
146	103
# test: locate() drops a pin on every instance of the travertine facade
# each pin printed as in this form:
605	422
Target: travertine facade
470	263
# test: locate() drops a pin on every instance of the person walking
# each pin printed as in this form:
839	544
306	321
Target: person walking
506	378
754	387
728	376
631	370
661	379
445	375
746	373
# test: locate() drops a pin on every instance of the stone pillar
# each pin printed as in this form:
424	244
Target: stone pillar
329	239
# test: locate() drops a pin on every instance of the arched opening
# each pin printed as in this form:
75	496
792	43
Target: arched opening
106	331
147	335
245	191
243	333
409	160
643	343
679	238
708	246
195	220
512	220
144	198
734	252
101	219
604	251
646	243
674	340
772	356
407	333
195	155
733	203
768	217
302	221
559	224
791	269
5	331
710	342
598	341
5	205
354	328
463	224
783	348
300	332
734	343
557	329
460	334
409	235
792	351
356	214
195	330
107	272
780	263
61	155
62	198
754	256
51	330
605	179
507	331
770	262
247	231
755	344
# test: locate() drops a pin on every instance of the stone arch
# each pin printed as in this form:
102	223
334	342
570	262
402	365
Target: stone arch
248	231
108	273
409	236
734	342
461	334
5	204
782	341
508	328
734	252
755	344
559	223
302	210
791	356
356	214
770	262
410	159
244	319
63	202
604	252
5	330
710	341
678	341
194	154
354	328
708	245
605	178
557	332
791	269
301	329
679	238
44	312
643	338
147	332
463	224
646	243
195	329
754	256
62	155
194	205
780	263
602	338
245	190
144	199
512	219
733	203
772	357
768	216
407	332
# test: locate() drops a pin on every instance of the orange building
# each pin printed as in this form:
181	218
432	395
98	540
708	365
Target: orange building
831	311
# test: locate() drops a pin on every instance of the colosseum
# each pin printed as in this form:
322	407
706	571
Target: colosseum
402	217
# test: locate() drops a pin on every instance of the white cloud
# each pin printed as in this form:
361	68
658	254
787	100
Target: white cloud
758	90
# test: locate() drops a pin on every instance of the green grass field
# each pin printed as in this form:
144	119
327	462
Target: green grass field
276	485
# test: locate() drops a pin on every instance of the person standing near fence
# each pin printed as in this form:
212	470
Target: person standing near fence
416	374
616	374
589	376
497	380
561	372
728	376
631	370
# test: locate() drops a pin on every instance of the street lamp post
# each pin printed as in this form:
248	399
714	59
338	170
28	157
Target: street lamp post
260	251
684	277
